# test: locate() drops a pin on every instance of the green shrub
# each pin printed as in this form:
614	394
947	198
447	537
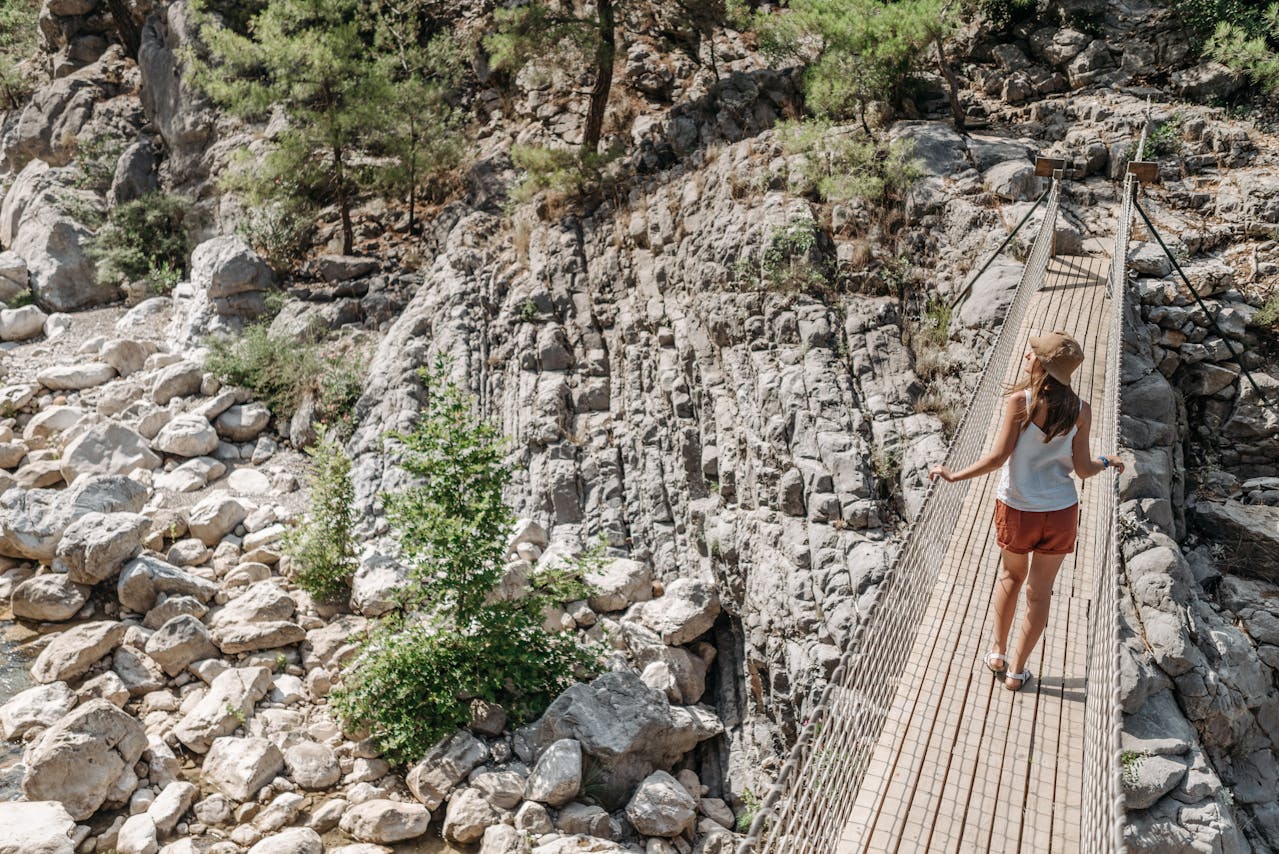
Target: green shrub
18	32
277	370
413	680
1005	14
322	549
145	239
277	232
561	173
846	167
340	386
97	158
1268	316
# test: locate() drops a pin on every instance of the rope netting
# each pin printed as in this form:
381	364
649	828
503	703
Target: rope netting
1102	810
809	803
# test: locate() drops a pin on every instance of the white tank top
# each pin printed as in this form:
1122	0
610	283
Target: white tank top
1036	477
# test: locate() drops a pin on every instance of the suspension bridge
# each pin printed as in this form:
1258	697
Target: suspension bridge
913	745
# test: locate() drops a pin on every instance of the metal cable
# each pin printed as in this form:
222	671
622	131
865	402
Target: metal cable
806	809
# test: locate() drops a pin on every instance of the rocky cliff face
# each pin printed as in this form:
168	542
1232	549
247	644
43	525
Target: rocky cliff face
749	455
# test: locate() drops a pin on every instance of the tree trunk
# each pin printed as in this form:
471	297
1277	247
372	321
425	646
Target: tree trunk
952	85
129	32
605	49
344	202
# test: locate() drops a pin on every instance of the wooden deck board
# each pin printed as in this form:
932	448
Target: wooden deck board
962	764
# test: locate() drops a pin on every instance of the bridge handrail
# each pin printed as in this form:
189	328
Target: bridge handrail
808	804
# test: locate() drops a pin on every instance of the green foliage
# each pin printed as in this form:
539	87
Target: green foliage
1249	44
845	166
144	240
750	806
340	386
277	232
323	549
361	83
1268	316
18	32
560	173
97	158
460	641
277	370
867	47
1002	15
25	297
789	258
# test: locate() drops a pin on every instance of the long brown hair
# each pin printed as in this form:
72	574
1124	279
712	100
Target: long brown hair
1060	399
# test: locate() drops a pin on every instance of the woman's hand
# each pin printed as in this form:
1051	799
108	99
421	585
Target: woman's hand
942	472
1115	463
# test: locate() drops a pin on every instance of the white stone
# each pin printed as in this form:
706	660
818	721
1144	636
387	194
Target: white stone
557	776
186	436
35	708
137	836
36	827
383	821
661	807
240	767
75	377
109	448
19	324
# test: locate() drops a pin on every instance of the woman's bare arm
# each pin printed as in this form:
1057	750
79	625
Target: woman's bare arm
1005	441
1085	465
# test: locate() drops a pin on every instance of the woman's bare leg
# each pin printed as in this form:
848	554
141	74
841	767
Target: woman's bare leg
1039	591
1012	572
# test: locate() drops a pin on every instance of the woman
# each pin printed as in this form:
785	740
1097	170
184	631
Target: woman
1042	437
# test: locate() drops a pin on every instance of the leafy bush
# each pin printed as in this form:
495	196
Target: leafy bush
845	166
322	549
1004	14
562	174
145	239
277	370
18	31
1268	316
97	157
456	640
277	232
1249	44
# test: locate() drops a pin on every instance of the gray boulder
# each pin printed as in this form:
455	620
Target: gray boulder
35	708
73	651
145	578
36	827
107	448
179	642
228	281
626	726
78	760
240	767
228	702
51	597
96	545
661	806
32	521
383	821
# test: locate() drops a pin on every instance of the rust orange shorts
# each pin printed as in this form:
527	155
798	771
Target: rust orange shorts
1023	531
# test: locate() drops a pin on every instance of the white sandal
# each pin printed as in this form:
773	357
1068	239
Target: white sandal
1022	678
993	658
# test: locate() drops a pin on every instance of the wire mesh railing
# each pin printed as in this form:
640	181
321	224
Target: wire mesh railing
814	793
1102	810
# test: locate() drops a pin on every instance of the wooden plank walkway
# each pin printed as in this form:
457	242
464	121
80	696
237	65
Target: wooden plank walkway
963	764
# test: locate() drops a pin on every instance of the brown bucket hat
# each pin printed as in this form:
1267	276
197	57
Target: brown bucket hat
1059	354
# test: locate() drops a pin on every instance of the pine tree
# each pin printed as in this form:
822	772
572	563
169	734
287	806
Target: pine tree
868	48
424	69
313	60
541	27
